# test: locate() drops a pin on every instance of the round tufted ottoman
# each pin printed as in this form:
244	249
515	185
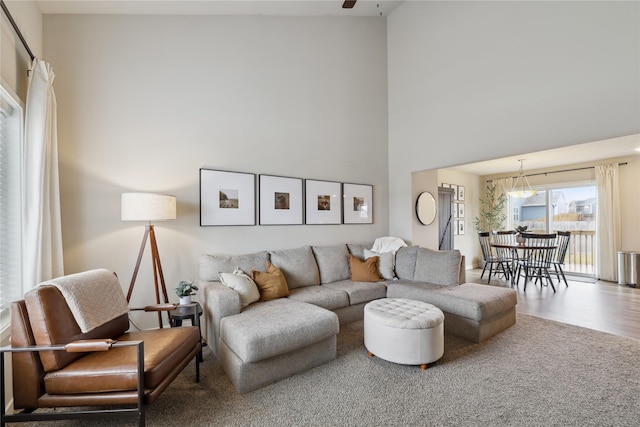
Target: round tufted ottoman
404	331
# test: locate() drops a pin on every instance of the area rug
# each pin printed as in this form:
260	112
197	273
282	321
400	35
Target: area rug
537	373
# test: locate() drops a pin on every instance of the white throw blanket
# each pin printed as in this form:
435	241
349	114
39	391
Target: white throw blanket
94	297
388	244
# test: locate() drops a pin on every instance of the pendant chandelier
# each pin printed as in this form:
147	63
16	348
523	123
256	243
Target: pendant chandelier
521	188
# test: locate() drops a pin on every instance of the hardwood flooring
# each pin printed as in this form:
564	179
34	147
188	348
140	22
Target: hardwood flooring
603	306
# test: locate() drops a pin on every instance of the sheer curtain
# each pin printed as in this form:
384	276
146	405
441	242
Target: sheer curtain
608	222
504	185
42	230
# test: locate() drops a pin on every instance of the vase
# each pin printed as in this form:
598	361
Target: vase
185	300
520	239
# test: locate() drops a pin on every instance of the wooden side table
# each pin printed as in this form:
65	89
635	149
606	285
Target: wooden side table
188	312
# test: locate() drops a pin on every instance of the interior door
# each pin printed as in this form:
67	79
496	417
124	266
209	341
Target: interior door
445	218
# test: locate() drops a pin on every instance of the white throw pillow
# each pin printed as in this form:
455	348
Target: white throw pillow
386	263
243	285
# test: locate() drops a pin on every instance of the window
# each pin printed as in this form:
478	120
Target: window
11	120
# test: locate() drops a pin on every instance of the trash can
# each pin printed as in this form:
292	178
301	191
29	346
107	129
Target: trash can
628	268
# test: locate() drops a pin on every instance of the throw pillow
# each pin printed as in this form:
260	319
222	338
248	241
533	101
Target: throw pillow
386	263
240	282
364	271
271	284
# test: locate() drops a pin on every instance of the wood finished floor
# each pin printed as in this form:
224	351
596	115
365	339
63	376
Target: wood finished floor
602	306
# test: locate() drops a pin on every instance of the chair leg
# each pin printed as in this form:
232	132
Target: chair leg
563	276
483	269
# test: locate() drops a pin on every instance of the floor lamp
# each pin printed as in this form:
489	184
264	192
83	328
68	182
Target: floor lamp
149	207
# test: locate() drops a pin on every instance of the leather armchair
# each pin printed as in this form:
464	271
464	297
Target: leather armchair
55	364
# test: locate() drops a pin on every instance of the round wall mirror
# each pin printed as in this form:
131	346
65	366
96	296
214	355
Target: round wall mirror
426	208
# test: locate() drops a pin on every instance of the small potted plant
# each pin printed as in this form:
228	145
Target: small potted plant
519	237
185	289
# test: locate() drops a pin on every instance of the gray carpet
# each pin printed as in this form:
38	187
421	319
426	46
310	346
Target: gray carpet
537	373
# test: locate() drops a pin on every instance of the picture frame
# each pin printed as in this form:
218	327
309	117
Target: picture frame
455	191
461	227
280	200
461	193
227	198
444	185
455	227
460	210
357	203
323	202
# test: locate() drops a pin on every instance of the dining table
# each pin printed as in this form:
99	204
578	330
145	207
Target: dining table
519	252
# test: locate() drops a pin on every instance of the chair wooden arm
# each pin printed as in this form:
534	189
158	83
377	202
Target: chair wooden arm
86	345
82	346
156	307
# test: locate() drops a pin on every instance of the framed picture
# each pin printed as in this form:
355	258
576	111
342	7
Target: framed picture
454	210
455	191
460	210
461	193
446	185
227	198
357	203
323	202
460	226
280	200
454	224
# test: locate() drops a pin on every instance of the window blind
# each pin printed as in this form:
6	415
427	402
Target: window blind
10	202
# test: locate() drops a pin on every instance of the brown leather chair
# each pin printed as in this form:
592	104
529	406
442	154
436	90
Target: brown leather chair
55	364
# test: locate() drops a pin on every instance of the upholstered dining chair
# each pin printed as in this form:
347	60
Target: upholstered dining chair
536	262
495	264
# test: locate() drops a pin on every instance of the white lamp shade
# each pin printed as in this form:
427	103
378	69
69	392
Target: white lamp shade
147	207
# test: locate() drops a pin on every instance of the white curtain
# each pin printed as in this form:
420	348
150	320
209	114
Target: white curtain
504	185
42	230
608	222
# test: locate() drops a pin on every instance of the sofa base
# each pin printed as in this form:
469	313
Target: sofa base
475	331
247	377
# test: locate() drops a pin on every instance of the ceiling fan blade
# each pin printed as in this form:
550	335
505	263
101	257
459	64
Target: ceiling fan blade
348	4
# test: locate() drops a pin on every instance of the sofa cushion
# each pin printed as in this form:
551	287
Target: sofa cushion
212	265
332	262
276	327
271	283
437	267
386	263
406	262
298	265
364	271
321	296
244	285
360	292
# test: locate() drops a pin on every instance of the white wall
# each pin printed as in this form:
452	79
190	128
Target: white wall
14	59
471	81
145	101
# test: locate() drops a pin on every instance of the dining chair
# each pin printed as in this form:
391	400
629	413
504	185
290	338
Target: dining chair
562	241
506	255
536	262
490	257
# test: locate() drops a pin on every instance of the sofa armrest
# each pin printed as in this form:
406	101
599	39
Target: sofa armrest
218	302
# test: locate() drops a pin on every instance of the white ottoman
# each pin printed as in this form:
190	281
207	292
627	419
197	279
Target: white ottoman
404	331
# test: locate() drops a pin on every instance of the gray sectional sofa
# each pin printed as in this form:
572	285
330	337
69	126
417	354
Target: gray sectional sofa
268	341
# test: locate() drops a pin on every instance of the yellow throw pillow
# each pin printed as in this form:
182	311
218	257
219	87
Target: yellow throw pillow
364	271
271	284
